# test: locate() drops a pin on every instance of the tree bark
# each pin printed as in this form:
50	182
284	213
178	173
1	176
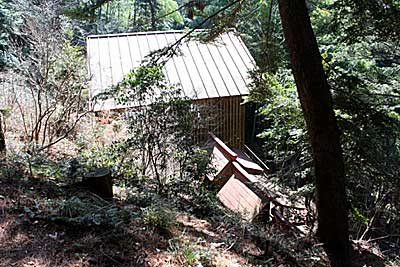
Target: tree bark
2	139
153	10
316	103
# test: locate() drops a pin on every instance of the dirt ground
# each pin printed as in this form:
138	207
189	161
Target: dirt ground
28	239
33	241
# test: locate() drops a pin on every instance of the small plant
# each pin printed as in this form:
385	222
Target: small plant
88	211
158	218
204	200
191	255
142	197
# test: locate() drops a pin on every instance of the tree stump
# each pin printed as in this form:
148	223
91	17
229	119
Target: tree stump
99	182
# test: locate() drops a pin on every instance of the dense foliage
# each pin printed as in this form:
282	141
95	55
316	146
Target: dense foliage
10	32
363	72
42	47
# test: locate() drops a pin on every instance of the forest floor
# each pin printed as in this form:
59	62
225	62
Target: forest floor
33	232
27	238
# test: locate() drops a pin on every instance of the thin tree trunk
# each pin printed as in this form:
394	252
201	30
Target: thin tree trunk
2	139
268	34
108	12
316	102
153	10
135	11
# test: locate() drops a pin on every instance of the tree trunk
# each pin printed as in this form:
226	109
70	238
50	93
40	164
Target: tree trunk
2	139
316	102
153	11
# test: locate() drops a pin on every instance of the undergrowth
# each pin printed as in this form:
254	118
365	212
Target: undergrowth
152	216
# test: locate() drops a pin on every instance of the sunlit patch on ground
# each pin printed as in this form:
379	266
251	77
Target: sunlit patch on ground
34	262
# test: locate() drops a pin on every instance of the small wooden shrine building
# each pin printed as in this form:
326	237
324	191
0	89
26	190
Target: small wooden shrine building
243	187
236	176
214	74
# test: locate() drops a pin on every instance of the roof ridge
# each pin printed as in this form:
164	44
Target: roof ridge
149	33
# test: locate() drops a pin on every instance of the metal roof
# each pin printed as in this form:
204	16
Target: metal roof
203	70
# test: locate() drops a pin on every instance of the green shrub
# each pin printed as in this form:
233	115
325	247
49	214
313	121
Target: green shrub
117	157
12	168
158	218
142	197
90	210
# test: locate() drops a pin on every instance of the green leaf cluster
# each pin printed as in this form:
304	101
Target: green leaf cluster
10	32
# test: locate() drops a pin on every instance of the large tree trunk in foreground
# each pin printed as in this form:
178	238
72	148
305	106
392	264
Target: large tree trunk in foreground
316	102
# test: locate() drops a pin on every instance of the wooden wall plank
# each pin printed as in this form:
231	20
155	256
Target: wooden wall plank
232	119
236	120
223	116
